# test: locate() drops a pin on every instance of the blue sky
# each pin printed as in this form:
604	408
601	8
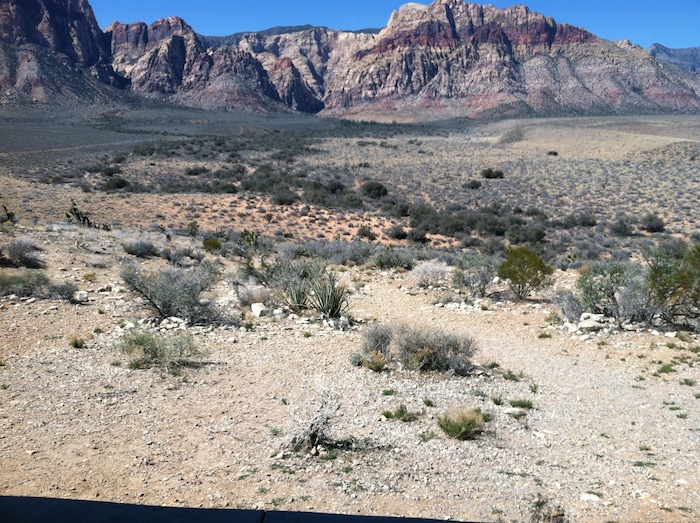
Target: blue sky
674	23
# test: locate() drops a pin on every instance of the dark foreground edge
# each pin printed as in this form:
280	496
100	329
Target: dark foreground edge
46	510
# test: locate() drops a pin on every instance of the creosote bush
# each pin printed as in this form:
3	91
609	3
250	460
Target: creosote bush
463	423
176	292
525	271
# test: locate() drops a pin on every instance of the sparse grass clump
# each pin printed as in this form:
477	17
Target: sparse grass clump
401	414
149	349
463	423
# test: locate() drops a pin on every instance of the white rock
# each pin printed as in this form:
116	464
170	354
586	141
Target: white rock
81	296
670	334
590	316
589	497
258	309
590	325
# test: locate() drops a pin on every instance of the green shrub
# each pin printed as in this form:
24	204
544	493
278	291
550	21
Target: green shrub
525	271
602	289
652	222
397	232
35	284
374	190
365	231
391	258
462	424
175	292
674	285
166	351
426	350
491	174
211	244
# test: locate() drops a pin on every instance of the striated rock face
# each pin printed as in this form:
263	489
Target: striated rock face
63	26
472	60
688	58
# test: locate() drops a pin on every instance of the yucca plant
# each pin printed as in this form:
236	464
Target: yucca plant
327	296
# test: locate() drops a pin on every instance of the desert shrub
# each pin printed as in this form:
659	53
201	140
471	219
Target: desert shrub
248	294
196	171
417	236
211	244
114	184
365	231
397	232
570	305
175	292
311	429
179	256
22	253
166	351
392	258
35	284
525	234
525	271
622	226
652	222
674	284
292	280
472	184
140	248
377	338
491	174
601	286
425	350
327	297
476	273
374	190
431	274
462	424
375	360
340	252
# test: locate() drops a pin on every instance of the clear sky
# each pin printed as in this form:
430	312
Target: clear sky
673	23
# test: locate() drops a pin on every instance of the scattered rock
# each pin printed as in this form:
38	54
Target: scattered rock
259	309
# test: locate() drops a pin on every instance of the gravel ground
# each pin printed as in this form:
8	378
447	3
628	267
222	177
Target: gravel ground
609	438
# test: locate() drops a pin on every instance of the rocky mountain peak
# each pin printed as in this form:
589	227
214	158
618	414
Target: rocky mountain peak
68	27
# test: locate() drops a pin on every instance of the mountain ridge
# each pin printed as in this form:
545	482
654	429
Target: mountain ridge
448	58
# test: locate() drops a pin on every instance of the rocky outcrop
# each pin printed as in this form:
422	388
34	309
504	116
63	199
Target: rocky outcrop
473	60
688	58
63	26
449	58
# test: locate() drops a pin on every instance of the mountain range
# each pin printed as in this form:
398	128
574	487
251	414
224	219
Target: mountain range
447	59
